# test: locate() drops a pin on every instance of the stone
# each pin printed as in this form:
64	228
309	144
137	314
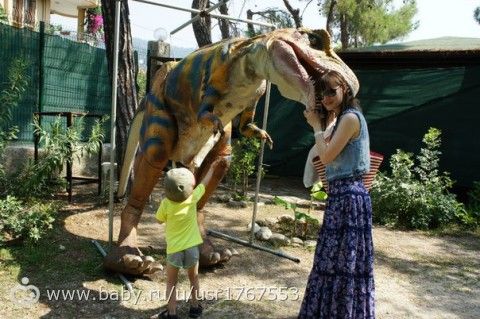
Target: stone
263	234
270	221
297	241
261	222
236	204
286	218
256	227
279	239
310	243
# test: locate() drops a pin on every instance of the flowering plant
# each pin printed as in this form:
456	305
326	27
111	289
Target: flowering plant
94	22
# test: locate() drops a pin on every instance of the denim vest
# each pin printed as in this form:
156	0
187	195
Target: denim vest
354	159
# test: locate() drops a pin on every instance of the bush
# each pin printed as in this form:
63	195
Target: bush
244	155
472	217
416	197
27	222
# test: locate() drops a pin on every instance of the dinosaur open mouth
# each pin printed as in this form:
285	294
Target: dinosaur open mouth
314	75
308	60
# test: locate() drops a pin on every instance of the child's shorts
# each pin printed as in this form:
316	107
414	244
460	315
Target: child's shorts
185	258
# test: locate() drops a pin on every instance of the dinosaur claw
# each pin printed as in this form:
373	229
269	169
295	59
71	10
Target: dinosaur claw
214	258
129	260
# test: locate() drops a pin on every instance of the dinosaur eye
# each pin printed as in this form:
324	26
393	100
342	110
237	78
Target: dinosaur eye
315	41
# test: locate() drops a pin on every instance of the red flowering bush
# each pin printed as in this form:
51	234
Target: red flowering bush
94	23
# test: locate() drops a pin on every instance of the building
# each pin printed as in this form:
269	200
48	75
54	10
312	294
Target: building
28	13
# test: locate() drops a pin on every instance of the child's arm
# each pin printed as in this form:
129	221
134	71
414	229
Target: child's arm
209	174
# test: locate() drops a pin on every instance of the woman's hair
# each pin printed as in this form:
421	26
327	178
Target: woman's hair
348	101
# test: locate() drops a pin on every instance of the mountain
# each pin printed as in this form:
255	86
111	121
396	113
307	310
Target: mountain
141	46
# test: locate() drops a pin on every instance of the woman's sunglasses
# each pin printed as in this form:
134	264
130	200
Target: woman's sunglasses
330	92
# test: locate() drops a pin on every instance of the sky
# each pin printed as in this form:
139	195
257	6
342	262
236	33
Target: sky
437	18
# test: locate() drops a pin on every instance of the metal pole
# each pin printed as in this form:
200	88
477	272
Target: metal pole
125	281
246	243
170	6
113	120
222	16
197	17
218	16
260	161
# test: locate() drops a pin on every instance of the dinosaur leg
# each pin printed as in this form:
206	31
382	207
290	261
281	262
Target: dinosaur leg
156	144
218	161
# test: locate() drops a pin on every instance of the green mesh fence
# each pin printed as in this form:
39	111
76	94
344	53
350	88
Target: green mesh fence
64	76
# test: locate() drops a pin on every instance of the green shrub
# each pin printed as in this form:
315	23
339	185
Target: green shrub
244	156
28	222
310	224
416	197
472	217
59	145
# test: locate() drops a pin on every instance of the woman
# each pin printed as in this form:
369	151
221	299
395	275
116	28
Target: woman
341	283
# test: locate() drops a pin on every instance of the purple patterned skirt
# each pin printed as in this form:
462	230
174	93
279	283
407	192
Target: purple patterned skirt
341	282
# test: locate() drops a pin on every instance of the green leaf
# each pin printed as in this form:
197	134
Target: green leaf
320	195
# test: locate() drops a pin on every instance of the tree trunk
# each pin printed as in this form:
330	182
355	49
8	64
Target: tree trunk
295	14
126	89
224	24
330	17
202	27
344	31
250	28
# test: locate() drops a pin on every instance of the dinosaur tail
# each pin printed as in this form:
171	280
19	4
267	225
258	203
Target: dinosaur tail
132	144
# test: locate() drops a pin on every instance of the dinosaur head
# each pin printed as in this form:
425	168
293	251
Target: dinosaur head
293	59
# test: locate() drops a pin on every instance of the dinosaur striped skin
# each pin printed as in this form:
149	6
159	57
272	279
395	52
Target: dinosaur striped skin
194	101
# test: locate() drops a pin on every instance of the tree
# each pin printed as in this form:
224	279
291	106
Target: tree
278	17
126	89
202	28
365	22
476	14
295	14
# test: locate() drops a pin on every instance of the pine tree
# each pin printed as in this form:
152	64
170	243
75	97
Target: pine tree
365	22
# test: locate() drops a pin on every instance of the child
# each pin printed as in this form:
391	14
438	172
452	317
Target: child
179	211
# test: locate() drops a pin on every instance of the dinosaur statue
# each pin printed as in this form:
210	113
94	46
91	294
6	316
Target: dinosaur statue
186	118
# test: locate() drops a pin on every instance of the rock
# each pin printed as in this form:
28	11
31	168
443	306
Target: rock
263	234
301	221
279	239
256	227
270	221
61	247
236	204
261	222
297	241
310	243
286	219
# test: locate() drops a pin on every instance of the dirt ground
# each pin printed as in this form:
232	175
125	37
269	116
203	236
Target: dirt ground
418	275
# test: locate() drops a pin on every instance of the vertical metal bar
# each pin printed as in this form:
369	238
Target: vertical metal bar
113	121
260	161
41	53
99	167
69	160
36	140
149	70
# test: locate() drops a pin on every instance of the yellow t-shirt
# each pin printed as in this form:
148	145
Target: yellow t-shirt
181	230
